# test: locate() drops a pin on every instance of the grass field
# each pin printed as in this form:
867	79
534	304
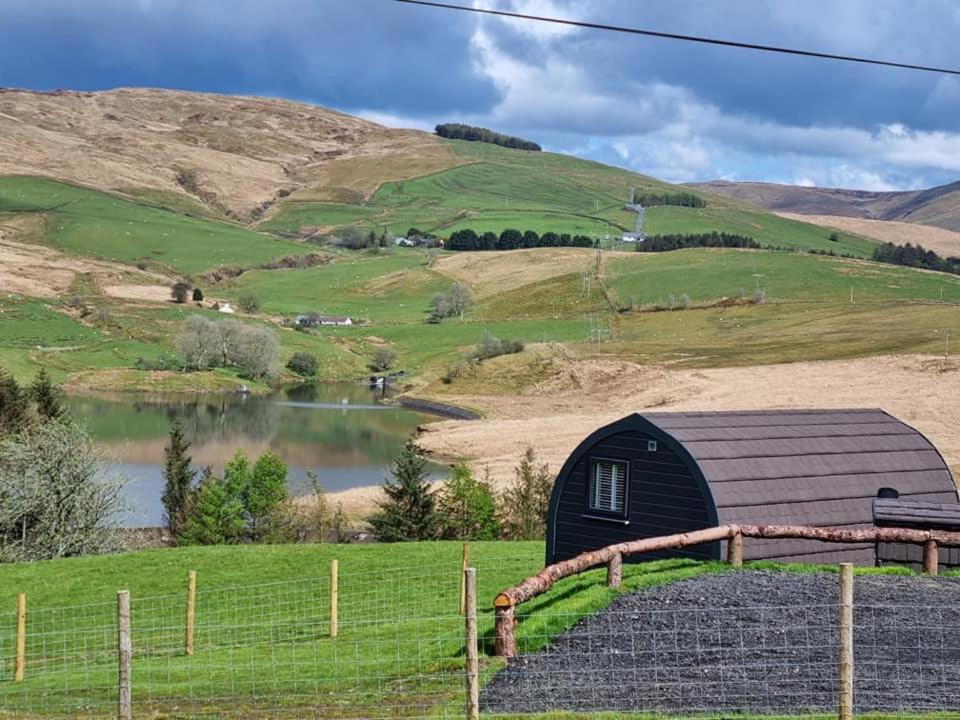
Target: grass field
262	627
500	188
94	224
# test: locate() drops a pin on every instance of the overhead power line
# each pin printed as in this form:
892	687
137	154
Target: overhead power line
685	38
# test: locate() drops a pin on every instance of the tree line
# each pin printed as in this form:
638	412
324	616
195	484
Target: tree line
679	241
459	131
463	507
915	256
511	239
681	199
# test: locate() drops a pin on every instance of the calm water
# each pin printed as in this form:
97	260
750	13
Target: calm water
337	431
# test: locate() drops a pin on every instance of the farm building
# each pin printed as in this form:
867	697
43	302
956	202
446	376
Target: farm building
664	473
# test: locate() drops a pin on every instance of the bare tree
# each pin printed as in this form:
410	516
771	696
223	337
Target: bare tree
257	352
460	298
55	500
230	333
199	344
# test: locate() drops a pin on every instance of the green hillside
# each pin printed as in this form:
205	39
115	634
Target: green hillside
501	188
93	224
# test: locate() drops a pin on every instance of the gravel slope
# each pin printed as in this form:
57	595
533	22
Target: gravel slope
747	641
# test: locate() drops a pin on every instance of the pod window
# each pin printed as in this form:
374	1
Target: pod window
608	487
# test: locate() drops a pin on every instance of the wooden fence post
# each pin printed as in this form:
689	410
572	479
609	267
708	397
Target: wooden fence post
615	571
191	610
931	557
124	657
472	653
504	626
845	627
464	564
735	550
334	596
21	651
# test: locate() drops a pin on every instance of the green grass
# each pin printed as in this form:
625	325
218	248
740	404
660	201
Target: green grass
262	626
765	228
94	224
708	275
502	188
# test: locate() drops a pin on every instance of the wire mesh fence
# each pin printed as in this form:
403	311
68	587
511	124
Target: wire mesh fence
269	651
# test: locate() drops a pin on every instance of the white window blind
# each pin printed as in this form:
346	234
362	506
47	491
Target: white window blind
608	486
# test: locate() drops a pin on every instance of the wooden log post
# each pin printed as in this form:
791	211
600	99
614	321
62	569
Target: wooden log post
615	571
191	611
504	627
472	653
124	657
20	660
931	557
845	627
334	597
464	564
735	550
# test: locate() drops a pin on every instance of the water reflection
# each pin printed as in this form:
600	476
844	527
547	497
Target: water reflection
337	431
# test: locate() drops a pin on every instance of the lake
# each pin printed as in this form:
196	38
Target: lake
338	431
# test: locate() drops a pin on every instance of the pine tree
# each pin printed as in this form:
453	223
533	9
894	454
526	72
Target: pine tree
216	517
47	397
265	492
466	507
178	481
526	502
409	512
13	404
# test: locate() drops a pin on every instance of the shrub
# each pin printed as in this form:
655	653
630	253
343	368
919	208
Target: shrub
759	297
303	363
197	295
216	516
249	303
141	264
524	504
56	500
265	492
383	359
179	292
466	507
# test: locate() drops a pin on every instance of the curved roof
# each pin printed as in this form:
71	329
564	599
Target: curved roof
816	458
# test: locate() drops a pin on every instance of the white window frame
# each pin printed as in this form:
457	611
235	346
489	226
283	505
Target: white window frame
593	506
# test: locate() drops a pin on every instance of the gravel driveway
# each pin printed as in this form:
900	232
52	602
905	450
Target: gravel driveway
747	641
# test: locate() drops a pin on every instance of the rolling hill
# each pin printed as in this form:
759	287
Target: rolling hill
937	206
107	199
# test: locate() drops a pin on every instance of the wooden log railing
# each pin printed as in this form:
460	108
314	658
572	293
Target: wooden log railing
612	557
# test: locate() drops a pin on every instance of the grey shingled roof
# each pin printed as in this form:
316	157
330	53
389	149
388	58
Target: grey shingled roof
808	467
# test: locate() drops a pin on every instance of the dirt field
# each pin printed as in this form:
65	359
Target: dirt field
495	272
558	413
38	271
943	242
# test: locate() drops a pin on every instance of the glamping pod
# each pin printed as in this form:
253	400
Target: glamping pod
664	473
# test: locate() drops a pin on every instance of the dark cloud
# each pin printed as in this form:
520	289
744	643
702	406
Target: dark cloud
343	53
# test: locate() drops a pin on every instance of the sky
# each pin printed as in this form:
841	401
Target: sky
677	111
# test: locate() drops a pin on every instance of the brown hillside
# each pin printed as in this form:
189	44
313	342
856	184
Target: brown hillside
938	206
233	154
943	242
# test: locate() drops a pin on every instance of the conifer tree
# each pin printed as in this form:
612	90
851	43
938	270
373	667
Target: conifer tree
265	492
13	404
47	397
178	481
216	517
525	503
409	512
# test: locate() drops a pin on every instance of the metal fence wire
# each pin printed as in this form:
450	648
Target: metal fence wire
395	647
